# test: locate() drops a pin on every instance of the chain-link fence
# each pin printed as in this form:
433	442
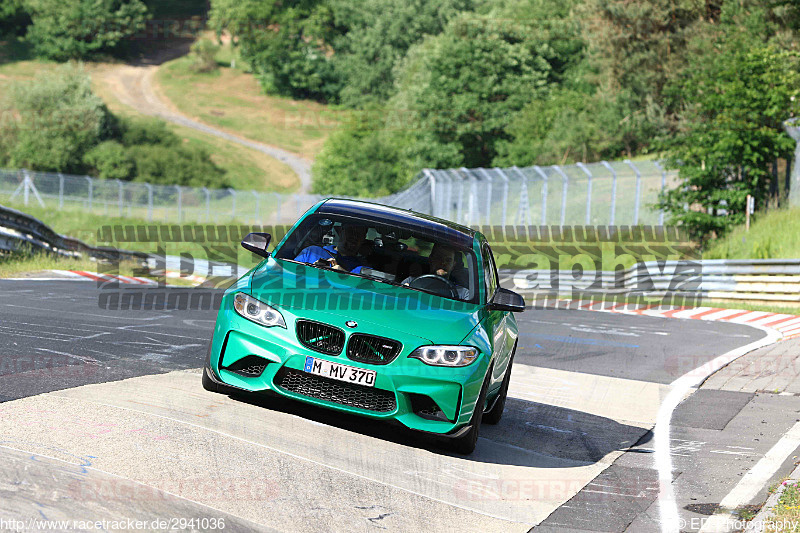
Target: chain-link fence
597	193
620	192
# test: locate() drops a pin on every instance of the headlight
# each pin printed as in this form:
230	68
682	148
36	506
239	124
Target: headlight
257	311
445	355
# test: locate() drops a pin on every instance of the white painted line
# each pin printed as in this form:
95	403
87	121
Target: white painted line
720	315
789	324
752	316
753	481
680	389
768	319
689	313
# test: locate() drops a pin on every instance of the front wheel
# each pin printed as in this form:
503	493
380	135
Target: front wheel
465	444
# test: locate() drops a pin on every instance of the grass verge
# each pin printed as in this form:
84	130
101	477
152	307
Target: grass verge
246	169
773	235
83	225
232	100
786	515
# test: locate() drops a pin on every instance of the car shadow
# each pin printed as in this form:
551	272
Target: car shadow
530	434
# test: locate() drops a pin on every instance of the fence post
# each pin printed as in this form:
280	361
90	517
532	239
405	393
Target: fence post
444	197
120	199
544	193
663	186
60	191
792	128
26	190
524	212
255	217
232	192
638	191
588	193
448	206
473	199
208	204
149	201
488	195
432	182
460	208
564	189
91	191
613	190
180	203
505	193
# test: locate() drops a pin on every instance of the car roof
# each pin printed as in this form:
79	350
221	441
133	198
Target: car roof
385	214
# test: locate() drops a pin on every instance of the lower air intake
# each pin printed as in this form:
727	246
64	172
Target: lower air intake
331	390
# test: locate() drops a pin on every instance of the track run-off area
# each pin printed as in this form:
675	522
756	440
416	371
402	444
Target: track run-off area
103	417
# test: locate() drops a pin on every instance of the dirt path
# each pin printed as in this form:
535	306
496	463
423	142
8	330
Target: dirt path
134	86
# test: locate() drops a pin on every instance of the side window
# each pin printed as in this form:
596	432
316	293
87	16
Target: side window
489	272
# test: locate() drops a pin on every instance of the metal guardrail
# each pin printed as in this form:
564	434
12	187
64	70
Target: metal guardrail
20	232
769	280
772	280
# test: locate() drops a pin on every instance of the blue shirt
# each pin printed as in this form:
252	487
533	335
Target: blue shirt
314	253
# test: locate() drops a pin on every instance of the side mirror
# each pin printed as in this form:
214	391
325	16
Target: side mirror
506	300
257	243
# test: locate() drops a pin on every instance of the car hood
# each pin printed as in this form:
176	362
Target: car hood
308	291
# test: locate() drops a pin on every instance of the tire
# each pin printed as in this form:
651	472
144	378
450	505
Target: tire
465	444
494	415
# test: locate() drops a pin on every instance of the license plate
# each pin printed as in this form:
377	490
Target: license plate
351	374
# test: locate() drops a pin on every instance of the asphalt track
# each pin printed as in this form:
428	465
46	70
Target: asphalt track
103	416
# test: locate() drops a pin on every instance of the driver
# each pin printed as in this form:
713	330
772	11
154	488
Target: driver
442	259
345	255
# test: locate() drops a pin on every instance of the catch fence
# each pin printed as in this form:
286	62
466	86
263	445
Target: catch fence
621	192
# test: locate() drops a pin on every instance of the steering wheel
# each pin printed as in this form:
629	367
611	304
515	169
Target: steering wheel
435	284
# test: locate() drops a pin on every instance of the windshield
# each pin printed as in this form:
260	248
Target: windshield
409	257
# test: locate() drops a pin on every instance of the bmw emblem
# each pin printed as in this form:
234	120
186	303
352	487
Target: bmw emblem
351	323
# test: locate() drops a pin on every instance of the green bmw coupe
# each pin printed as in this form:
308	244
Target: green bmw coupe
376	311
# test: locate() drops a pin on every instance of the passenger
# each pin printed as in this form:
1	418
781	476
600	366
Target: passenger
442	259
345	255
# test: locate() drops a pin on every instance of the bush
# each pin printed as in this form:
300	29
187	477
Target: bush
76	29
180	165
203	56
136	131
110	160
361	159
58	120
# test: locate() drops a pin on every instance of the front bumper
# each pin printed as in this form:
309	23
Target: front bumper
407	381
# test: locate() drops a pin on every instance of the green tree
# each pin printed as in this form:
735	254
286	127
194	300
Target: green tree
57	119
80	28
462	88
563	127
14	19
379	32
362	158
286	43
735	103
